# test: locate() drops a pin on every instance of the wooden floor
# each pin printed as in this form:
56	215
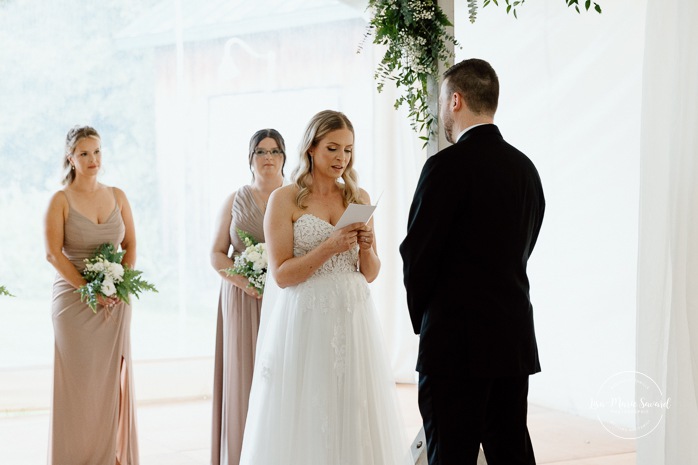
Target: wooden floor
179	434
558	438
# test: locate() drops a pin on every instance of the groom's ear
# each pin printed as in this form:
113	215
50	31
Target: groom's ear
457	102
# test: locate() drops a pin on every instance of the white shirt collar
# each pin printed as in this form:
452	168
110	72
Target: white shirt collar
468	129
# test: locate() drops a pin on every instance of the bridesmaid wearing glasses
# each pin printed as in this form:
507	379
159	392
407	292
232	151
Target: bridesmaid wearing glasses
239	305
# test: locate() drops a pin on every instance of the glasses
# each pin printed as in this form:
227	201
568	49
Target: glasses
273	152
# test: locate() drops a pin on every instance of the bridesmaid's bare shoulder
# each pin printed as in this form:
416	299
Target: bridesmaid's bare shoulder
120	196
59	197
59	203
118	193
228	202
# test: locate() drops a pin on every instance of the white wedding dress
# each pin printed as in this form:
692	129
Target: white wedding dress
322	390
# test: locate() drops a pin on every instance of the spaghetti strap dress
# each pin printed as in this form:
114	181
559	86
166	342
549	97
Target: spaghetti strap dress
236	338
93	415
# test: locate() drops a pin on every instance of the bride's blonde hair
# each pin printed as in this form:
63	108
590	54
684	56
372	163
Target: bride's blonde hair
319	126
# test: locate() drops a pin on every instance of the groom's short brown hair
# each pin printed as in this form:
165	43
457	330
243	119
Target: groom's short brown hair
477	82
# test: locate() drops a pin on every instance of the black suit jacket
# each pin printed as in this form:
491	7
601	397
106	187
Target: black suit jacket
473	223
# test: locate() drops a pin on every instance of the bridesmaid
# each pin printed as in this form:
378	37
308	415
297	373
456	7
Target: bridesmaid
93	418
239	306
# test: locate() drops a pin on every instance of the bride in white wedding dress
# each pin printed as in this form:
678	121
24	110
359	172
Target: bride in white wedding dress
322	391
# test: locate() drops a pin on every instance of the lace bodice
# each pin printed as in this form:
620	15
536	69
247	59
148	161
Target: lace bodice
309	231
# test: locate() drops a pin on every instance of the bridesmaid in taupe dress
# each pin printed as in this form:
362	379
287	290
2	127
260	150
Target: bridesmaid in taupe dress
93	418
239	306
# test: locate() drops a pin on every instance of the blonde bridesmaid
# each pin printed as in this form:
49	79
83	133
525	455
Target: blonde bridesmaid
93	418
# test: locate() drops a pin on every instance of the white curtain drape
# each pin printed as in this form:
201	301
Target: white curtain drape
667	318
398	158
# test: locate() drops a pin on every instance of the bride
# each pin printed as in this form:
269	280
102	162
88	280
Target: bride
322	392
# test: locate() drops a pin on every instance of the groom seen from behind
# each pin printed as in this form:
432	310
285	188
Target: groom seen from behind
474	221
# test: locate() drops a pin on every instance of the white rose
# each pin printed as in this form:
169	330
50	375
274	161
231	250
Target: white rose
98	267
108	287
254	258
116	270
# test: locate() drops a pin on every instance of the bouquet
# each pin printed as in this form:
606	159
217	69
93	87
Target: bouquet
4	291
106	276
251	263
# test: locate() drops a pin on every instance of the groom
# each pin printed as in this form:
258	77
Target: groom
473	223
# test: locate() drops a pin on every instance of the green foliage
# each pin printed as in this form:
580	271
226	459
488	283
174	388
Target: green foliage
246	238
89	293
109	253
4	291
133	285
512	5
414	32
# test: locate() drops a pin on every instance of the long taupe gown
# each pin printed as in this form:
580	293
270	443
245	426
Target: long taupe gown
93	418
236	338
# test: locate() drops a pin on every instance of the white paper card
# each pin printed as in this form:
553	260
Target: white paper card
355	213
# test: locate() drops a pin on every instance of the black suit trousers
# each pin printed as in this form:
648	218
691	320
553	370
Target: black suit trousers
460	413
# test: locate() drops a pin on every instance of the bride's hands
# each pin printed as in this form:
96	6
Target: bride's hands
365	237
345	238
